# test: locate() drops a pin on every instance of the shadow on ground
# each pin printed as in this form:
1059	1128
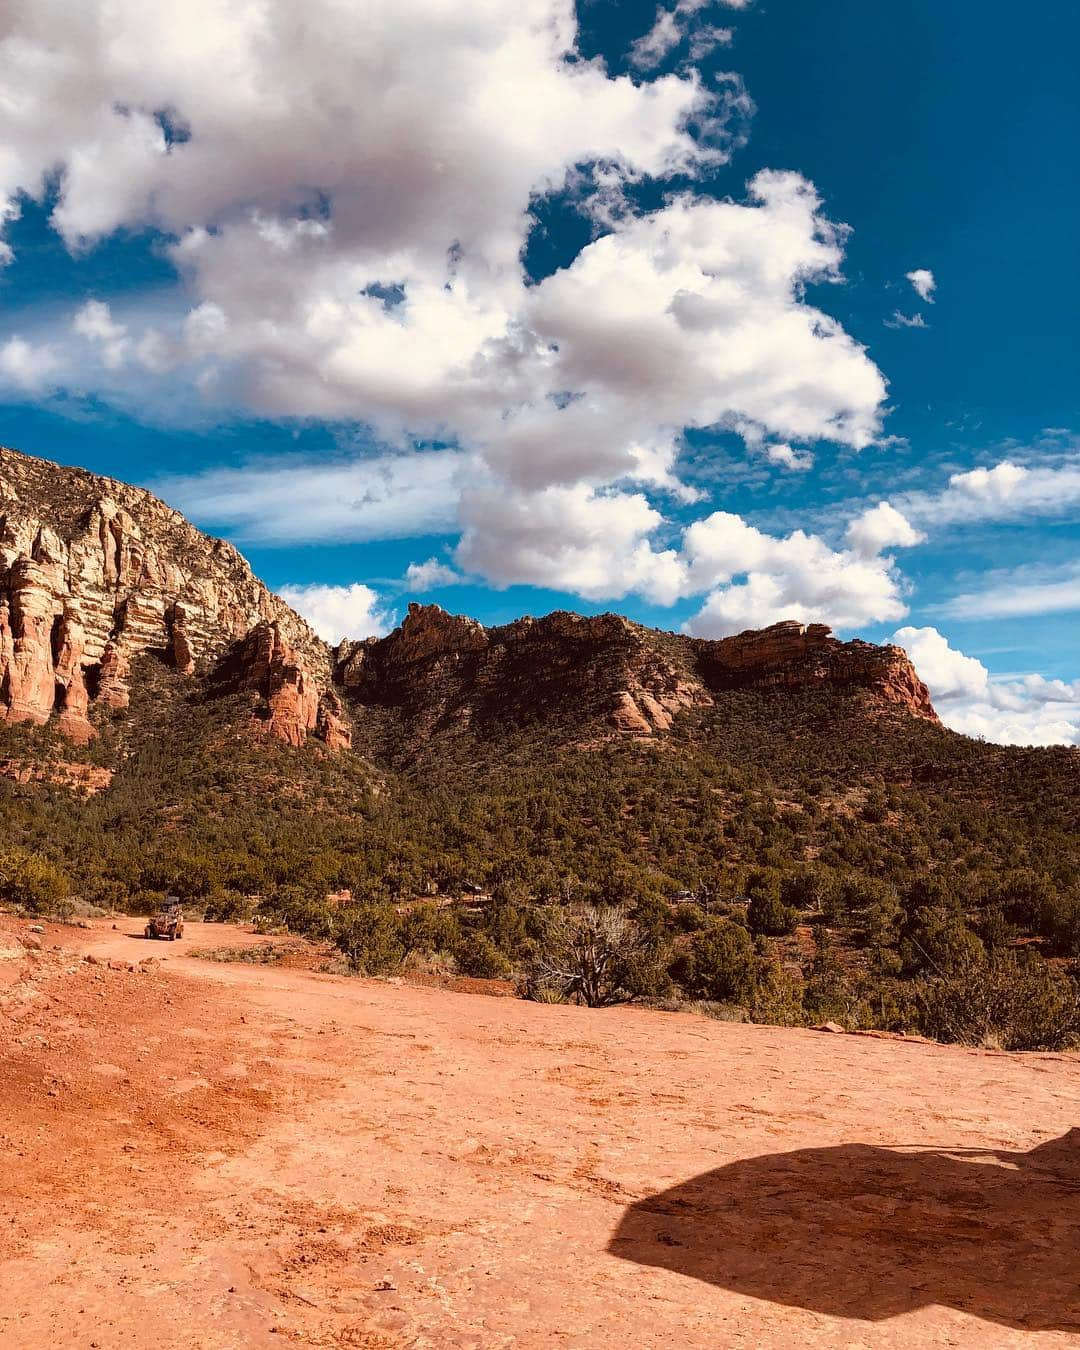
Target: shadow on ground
867	1232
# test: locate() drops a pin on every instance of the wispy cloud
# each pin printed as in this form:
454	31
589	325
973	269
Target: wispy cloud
288	501
1020	593
899	320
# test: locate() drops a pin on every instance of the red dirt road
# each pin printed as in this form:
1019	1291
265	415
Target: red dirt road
202	1155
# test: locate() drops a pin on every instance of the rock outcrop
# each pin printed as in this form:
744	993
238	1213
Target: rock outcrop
445	673
97	576
292	707
94	573
794	656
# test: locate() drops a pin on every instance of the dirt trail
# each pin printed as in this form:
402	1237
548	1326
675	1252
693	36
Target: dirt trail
202	1155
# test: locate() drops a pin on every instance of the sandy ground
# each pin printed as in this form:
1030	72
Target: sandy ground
203	1155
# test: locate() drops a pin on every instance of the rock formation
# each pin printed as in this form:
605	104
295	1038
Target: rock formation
445	673
94	573
789	654
293	707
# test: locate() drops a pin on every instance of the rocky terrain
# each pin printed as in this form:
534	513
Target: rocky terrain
200	1155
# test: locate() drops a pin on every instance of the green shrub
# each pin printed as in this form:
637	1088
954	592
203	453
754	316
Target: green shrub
428	928
719	964
768	916
369	938
31	882
1015	1002
223	906
478	956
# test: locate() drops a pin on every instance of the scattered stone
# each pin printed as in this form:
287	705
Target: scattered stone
833	1027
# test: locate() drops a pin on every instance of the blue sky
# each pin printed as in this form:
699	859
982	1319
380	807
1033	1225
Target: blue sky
490	297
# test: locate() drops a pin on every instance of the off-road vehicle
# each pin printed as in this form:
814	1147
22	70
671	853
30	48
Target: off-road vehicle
168	922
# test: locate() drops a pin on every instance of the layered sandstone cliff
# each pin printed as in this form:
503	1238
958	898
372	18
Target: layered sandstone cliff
446	673
791	655
94	573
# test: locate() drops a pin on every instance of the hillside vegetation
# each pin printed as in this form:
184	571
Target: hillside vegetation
780	854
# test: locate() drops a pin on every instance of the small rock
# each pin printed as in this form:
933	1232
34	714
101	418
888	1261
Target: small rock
90	959
36	928
829	1026
31	943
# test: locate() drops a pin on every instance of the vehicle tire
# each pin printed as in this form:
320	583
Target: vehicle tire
146	931
172	937
179	935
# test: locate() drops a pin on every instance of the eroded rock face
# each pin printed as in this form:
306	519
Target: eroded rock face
94	573
796	656
331	725
449	673
446	673
266	664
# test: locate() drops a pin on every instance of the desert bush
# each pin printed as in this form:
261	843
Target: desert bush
598	957
809	888
428	928
1014	1002
478	956
768	916
369	938
828	994
222	906
31	882
719	964
778	997
293	908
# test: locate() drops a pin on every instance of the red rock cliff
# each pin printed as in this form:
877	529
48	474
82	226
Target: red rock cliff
796	656
445	673
94	573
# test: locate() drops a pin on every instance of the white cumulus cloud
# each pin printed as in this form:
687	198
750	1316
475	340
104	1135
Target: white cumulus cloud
881	527
360	259
1029	710
595	544
755	579
922	279
426	576
336	612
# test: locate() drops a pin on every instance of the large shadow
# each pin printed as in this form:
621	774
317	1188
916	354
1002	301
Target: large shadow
867	1232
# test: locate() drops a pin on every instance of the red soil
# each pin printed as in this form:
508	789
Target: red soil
207	1155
